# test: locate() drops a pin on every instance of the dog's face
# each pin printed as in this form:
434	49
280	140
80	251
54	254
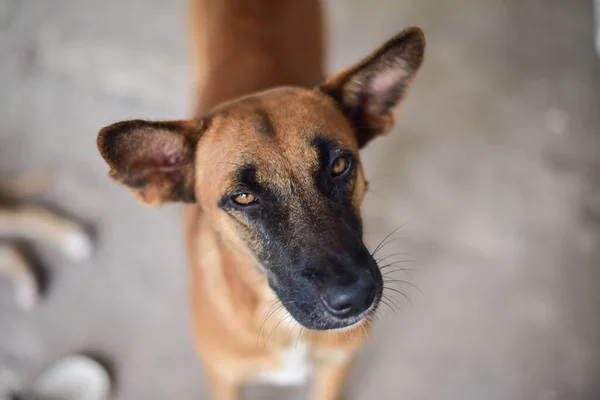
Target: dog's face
278	174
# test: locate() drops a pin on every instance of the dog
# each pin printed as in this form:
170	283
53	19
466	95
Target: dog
270	175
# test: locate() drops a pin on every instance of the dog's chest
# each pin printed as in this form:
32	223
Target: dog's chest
295	367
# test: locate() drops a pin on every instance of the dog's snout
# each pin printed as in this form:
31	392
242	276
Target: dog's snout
351	299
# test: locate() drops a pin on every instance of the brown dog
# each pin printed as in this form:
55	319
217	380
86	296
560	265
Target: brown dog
271	173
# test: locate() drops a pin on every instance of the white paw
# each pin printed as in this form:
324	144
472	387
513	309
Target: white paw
72	378
27	293
77	245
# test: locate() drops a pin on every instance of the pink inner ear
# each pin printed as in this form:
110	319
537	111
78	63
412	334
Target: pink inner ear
159	156
167	151
167	157
382	83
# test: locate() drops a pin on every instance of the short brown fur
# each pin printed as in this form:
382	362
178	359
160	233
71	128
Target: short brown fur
258	62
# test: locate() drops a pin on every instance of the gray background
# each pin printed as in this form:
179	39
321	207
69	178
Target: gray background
494	163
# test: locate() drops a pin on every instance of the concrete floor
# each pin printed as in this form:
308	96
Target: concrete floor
495	163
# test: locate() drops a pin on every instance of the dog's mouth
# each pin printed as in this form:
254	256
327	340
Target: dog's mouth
337	325
318	306
322	321
356	321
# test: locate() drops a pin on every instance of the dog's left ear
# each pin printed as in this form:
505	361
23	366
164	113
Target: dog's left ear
155	160
370	92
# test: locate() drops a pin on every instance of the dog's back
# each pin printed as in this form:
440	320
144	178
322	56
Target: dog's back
244	46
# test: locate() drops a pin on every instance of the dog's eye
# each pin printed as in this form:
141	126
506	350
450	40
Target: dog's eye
340	165
244	199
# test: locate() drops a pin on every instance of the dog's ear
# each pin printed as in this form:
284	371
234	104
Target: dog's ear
369	92
155	160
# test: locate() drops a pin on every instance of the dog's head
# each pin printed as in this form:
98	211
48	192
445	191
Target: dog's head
278	174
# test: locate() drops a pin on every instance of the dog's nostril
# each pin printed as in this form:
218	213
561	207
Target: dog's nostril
336	303
348	300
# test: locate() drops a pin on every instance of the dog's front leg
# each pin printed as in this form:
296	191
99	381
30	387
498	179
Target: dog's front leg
329	379
223	389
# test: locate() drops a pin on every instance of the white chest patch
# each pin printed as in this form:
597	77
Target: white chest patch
295	367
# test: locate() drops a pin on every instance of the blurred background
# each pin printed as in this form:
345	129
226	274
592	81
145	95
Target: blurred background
494	167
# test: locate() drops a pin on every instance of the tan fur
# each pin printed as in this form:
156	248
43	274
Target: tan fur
258	63
229	296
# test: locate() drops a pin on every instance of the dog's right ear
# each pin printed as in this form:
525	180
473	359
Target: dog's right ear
155	160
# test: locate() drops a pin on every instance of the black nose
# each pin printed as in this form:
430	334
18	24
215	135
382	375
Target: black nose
349	300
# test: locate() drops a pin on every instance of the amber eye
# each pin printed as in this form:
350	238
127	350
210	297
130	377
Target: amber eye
340	165
244	199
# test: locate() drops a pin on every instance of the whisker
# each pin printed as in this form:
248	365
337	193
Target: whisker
298	338
265	321
394	301
387	304
409	284
378	312
282	318
272	304
396	270
375	317
276	325
381	244
384	239
390	241
395	263
279	307
369	323
399	292
365	332
378	260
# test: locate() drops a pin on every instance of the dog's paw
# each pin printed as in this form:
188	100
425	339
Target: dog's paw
77	245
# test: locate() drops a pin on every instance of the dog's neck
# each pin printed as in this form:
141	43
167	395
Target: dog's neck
245	47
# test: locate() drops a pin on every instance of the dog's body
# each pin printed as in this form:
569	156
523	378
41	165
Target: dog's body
272	169
262	44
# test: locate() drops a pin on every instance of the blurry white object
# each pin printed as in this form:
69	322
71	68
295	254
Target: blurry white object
72	378
38	225
26	286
